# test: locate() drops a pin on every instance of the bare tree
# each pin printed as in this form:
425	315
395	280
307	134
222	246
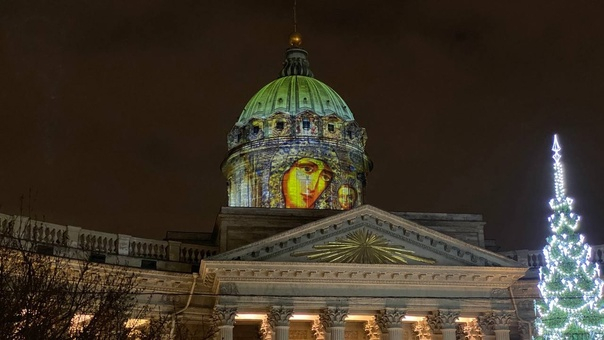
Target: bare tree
50	295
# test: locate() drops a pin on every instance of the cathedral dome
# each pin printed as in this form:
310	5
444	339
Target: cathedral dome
295	94
296	145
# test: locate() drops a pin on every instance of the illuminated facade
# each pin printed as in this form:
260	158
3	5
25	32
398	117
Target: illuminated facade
284	262
362	274
296	145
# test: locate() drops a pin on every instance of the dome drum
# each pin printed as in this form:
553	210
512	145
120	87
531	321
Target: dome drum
305	124
294	172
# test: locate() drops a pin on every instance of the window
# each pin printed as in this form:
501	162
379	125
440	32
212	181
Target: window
330	128
256	129
279	125
306	123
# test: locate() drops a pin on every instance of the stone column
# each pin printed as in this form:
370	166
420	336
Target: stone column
502	334
448	333
333	318
278	317
445	322
485	322
390	321
496	323
501	322
224	317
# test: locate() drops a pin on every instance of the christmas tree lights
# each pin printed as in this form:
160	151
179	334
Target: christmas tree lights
569	282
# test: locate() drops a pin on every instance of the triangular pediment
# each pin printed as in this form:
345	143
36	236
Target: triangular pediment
366	235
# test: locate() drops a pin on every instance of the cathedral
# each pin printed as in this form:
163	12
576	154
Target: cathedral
298	254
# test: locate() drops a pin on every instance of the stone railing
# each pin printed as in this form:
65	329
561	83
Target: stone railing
535	258
100	242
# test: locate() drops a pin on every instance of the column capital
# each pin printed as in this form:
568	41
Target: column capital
224	315
279	316
390	318
333	316
443	319
493	321
501	320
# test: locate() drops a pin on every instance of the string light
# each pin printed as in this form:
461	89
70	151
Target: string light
569	283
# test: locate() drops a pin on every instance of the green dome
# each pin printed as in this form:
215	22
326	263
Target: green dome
295	94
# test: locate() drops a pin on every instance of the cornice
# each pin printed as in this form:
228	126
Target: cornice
151	281
213	272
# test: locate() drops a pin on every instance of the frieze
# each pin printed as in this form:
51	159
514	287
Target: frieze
358	273
499	293
172	283
229	288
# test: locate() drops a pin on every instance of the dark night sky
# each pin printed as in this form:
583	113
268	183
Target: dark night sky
115	113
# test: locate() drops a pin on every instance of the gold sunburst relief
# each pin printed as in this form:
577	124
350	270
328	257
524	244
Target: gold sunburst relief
362	246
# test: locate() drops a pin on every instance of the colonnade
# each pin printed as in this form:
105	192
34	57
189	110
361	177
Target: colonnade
386	324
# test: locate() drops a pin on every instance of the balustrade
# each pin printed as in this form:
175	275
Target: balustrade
535	258
69	236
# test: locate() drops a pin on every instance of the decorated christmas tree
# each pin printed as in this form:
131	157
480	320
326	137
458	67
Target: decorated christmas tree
570	283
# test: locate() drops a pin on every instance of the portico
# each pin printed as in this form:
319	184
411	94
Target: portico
305	283
337	323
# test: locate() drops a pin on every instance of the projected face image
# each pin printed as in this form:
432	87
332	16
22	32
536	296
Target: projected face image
305	181
347	196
